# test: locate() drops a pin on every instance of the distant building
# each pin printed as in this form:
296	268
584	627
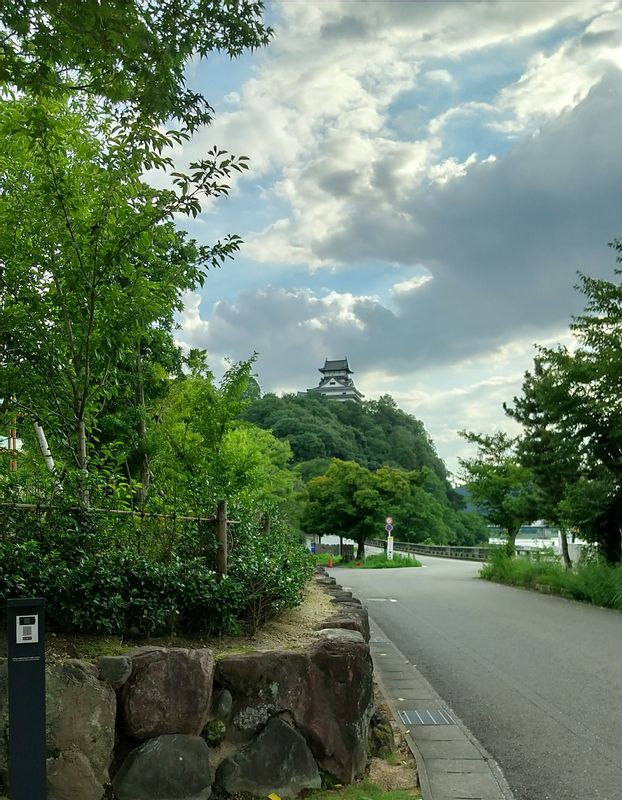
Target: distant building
336	383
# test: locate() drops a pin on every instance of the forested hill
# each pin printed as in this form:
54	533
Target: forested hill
374	433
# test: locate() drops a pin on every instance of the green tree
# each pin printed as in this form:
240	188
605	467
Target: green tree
130	53
499	484
570	408
91	261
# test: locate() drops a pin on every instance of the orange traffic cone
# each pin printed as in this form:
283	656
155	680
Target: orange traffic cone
330	560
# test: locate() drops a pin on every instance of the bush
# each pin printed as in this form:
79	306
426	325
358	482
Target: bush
271	572
593	582
121	592
380	561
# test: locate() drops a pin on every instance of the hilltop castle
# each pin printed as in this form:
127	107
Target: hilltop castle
336	383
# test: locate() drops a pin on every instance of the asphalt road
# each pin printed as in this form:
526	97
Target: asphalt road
536	678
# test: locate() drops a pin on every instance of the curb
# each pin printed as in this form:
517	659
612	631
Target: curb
428	792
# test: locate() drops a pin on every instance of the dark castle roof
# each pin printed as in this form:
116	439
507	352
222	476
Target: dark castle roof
333	366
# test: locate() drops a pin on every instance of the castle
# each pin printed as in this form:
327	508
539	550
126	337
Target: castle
336	383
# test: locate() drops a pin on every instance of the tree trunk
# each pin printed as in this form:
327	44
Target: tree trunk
44	447
82	459
565	553
142	427
511	542
360	551
221	533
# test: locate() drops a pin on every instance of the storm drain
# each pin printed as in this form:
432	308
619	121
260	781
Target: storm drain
375	640
437	716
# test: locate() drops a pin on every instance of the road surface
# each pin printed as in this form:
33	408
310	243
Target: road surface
537	678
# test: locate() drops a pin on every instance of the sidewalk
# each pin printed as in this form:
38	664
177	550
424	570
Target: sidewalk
452	765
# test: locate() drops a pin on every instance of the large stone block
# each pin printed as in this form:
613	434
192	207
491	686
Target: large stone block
80	717
338	707
71	777
170	767
278	760
169	691
262	685
353	618
328	691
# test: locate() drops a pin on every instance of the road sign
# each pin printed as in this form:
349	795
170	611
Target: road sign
389	520
389	548
388	527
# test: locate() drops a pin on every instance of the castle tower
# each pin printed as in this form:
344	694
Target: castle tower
336	383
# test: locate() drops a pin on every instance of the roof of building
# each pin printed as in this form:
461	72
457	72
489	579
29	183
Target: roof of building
339	365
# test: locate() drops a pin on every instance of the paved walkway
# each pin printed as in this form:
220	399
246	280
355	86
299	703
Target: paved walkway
452	764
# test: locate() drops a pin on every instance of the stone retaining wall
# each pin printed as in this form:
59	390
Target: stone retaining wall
173	724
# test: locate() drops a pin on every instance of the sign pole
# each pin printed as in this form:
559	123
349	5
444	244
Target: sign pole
388	528
26	673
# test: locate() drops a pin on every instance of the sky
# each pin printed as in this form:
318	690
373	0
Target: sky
426	179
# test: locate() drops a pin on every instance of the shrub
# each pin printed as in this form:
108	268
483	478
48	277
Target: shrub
380	561
594	581
271	571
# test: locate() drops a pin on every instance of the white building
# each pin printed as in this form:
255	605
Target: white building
336	383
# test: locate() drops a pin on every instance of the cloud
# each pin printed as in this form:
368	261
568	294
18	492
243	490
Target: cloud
502	244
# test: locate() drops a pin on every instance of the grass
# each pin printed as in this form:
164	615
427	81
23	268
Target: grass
595	582
380	561
321	559
364	790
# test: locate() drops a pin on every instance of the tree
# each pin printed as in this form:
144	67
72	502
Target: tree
499	484
130	53
91	261
572	413
344	502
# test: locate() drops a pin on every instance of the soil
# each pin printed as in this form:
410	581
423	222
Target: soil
292	630
400	773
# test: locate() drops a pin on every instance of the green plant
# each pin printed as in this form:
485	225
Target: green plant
380	561
594	581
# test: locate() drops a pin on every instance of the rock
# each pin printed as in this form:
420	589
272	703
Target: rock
115	669
262	685
278	761
355	618
222	704
381	739
342	599
325	580
339	704
169	767
336	590
80	716
214	732
327	690
169	691
341	635
71	777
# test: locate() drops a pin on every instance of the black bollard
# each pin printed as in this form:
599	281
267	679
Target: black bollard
26	672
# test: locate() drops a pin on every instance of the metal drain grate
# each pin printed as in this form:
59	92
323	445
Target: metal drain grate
375	640
436	716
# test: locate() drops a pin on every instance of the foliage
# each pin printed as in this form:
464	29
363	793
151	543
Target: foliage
351	501
131	53
271	572
380	561
570	409
363	790
90	269
594	582
499	484
374	433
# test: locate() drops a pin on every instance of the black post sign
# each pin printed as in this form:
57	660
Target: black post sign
26	650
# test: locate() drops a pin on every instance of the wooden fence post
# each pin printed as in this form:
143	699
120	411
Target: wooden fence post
221	533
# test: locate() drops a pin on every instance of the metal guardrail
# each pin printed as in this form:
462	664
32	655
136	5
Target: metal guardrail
468	553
